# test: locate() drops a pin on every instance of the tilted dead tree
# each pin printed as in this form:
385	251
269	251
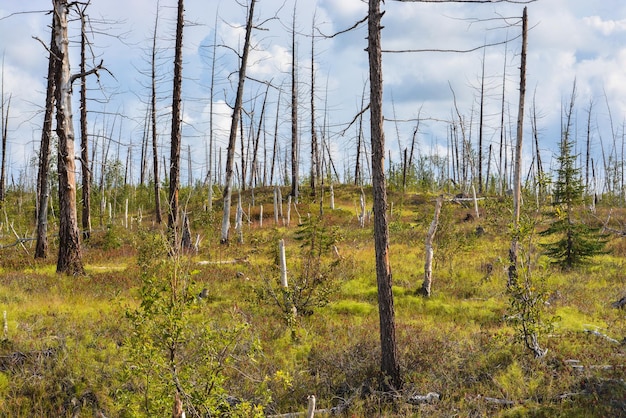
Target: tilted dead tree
230	154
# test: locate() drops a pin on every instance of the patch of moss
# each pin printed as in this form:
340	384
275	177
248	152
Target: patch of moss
352	307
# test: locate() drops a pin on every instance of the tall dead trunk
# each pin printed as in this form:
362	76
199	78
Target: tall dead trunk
588	148
315	152
172	216
294	111
41	248
70	256
153	120
84	141
517	185
480	127
230	154
502	152
211	92
389	352
255	145
4	121
275	146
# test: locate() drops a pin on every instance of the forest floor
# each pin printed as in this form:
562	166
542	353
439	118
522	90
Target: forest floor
216	326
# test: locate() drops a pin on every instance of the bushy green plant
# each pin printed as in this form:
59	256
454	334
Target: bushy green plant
174	349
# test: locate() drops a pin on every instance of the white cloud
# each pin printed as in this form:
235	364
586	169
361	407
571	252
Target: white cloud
606	27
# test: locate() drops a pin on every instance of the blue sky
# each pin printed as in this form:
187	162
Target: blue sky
570	40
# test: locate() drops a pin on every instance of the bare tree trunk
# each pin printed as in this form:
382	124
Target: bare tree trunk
535	131
428	264
153	120
502	152
172	217
294	111
315	152
255	145
84	140
480	127
230	154
41	248
517	193
70	256
4	122
211	91
588	150
275	146
389	352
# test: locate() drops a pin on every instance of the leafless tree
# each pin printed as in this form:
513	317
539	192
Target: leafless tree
172	218
4	123
153	120
84	140
389	351
517	185
230	154
41	247
294	111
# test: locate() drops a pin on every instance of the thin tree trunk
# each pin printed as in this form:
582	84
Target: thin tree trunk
84	140
70	256
480	127
230	155
172	218
315	152
41	248
389	352
588	150
502	152
4	121
294	111
275	146
153	119
517	193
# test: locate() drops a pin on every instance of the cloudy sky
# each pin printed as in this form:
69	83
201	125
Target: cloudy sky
569	40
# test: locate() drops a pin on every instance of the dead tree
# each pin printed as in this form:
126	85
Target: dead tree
172	217
294	111
41	248
316	173
390	367
153	120
84	141
517	185
4	122
230	154
70	256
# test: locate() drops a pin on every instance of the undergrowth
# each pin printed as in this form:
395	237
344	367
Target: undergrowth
141	327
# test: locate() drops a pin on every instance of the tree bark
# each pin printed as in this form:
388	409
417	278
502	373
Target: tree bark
84	141
4	121
230	154
153	120
41	248
294	111
70	256
517	193
172	217
389	353
315	152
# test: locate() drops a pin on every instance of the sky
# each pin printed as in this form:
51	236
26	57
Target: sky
569	40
